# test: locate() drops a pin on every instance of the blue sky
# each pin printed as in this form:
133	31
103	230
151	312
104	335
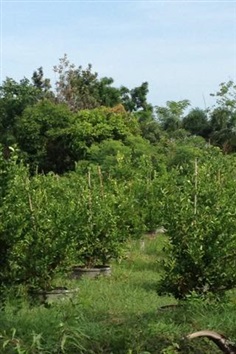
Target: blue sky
184	49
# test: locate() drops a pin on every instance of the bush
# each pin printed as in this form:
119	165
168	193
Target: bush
200	218
49	223
34	230
104	217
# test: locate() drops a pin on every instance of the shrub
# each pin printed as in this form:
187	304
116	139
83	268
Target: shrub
199	215
103	218
34	231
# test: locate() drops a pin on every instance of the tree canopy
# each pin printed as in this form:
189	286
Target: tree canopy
56	127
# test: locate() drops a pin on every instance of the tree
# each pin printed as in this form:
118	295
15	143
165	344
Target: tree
108	95
223	118
136	98
95	126
43	135
39	81
196	122
75	86
113	156
54	138
171	116
15	97
82	89
220	118
226	96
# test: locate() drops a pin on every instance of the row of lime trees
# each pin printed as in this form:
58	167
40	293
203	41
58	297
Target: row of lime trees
50	223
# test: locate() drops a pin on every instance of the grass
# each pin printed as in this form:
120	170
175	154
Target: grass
120	314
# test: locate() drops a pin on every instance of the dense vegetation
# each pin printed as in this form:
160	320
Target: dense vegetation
87	169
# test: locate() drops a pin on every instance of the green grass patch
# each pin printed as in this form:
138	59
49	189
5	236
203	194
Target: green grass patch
120	314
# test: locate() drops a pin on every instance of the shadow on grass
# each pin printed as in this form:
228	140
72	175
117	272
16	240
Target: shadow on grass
110	331
150	332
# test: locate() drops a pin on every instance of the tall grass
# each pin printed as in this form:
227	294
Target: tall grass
120	314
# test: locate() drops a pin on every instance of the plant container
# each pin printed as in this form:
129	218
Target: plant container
55	295
79	272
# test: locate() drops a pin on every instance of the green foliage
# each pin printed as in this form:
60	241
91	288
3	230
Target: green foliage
102	123
220	119
134	170
129	212
8	169
15	97
40	82
136	98
150	128
124	160
75	86
183	156
223	117
148	193
223	122
113	156
200	218
33	231
82	89
94	130
95	230
53	138
226	96
49	223
196	122
170	117
43	134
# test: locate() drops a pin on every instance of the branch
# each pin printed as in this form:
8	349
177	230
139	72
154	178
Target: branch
221	341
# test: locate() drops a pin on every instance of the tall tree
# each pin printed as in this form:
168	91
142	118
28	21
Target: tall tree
136	98
15	97
223	117
82	89
43	135
171	116
196	122
226	95
39	81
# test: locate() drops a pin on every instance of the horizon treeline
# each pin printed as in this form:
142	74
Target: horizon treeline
85	119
